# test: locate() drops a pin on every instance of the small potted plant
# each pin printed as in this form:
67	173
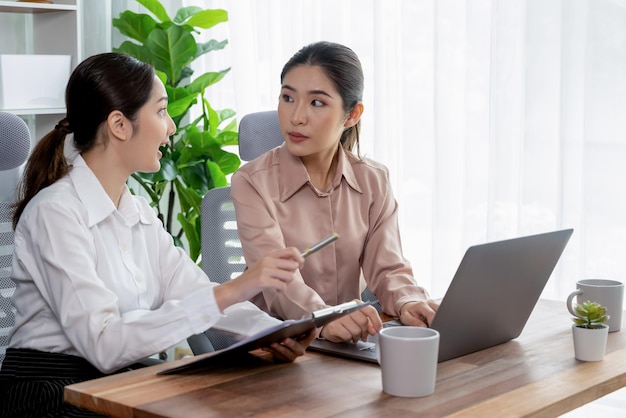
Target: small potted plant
590	331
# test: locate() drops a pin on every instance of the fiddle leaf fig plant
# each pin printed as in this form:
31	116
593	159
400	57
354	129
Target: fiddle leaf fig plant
195	159
590	315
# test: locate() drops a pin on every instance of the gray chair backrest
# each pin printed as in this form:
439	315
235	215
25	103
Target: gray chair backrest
7	287
258	132
14	149
222	257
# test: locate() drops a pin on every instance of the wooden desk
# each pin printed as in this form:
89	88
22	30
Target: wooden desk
533	375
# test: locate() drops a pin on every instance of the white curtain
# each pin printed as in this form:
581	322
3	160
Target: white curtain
497	118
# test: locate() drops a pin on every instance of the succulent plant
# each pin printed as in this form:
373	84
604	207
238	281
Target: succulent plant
590	315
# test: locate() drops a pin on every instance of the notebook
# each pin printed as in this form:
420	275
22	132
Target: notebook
489	300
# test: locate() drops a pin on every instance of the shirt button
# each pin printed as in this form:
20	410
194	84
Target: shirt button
123	247
138	278
206	318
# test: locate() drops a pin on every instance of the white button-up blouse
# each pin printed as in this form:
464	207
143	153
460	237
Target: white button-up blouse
107	283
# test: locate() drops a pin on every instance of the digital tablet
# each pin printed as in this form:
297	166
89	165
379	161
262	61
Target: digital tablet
286	329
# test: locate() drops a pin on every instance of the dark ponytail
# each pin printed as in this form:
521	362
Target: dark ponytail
46	164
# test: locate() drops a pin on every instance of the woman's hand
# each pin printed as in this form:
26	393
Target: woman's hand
418	314
353	327
274	271
288	349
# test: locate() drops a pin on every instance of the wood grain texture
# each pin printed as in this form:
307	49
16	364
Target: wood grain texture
534	375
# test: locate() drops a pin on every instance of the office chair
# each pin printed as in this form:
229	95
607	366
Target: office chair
222	256
14	149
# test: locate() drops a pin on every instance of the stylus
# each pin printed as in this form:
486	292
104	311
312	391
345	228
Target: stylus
320	245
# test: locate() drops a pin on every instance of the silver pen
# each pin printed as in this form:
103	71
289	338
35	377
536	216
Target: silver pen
320	245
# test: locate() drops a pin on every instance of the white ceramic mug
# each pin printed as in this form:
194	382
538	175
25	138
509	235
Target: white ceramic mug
408	360
608	293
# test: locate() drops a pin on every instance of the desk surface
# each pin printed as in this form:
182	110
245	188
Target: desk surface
533	375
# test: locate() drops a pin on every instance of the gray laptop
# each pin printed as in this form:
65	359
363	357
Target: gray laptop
489	300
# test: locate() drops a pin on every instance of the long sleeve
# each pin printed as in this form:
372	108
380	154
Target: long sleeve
387	273
260	233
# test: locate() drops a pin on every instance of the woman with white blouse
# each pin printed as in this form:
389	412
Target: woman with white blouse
99	282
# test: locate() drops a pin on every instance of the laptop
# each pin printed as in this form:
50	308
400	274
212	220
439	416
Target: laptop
489	300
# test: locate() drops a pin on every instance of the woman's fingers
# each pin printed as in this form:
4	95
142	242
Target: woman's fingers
355	326
274	271
420	313
289	349
277	269
290	253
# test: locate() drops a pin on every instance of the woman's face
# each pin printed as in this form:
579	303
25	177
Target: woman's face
153	128
310	112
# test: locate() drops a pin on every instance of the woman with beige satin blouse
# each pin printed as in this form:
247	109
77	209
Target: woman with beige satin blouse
315	184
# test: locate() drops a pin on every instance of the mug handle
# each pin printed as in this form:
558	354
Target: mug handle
569	302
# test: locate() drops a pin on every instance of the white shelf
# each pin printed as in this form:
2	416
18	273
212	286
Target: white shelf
37	111
41	28
30	7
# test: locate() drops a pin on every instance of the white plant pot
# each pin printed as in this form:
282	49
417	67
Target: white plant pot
590	344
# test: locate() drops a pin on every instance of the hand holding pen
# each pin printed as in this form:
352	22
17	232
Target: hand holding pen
273	271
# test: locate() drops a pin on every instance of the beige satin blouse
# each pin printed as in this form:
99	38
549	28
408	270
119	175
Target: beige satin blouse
278	206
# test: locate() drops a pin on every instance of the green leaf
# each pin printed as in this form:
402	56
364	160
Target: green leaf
202	142
134	50
172	49
205	80
231	127
217	175
189	198
163	77
168	169
213	118
228	137
226	114
145	185
206	19
180	100
186	72
212	45
185	13
193	238
135	26
229	163
156	8
197	178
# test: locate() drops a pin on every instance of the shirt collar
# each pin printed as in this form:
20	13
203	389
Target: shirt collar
293	174
98	204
